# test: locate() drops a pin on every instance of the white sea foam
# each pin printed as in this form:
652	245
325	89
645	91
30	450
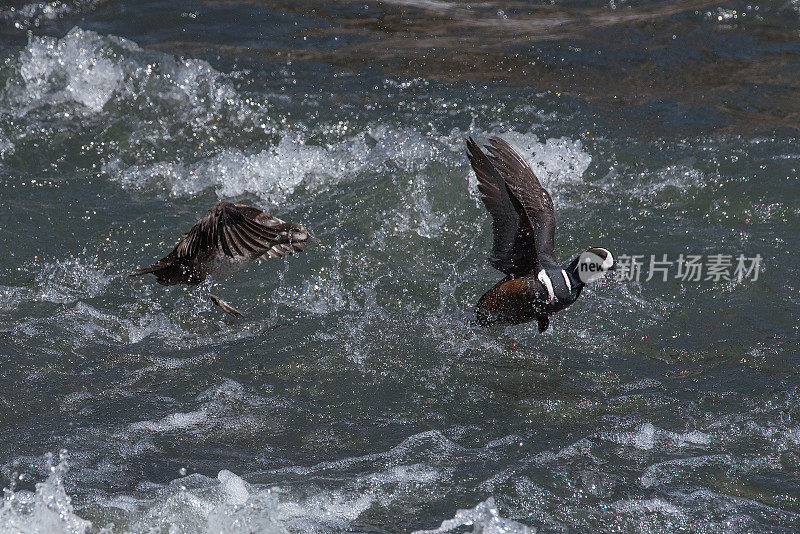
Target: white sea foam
34	14
647	505
6	146
59	281
485	518
275	173
665	472
11	296
189	321
173	422
557	161
103	74
679	177
650	515
86	68
70	280
81	68
214	409
647	436
432	444
48	509
228	503
319	295
581	448
90	77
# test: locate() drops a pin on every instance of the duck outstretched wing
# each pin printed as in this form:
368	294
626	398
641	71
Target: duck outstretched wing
514	249
289	237
224	227
236	230
534	199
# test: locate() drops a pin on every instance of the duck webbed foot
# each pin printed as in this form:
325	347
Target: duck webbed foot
544	323
227	308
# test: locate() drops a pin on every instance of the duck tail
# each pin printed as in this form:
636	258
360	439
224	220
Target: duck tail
165	274
146	270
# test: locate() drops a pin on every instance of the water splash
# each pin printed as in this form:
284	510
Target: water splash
48	509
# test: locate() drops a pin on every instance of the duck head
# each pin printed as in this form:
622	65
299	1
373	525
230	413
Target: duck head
592	264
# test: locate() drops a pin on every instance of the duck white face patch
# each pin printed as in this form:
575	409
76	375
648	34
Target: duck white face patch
609	261
544	278
593	264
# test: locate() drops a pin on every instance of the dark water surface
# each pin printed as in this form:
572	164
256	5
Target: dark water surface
355	395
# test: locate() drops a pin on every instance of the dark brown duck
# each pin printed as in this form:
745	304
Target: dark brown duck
227	239
524	226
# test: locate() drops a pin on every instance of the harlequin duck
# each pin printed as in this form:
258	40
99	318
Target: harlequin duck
524	225
227	239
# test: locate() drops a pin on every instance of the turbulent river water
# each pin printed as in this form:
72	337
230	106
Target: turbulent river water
356	394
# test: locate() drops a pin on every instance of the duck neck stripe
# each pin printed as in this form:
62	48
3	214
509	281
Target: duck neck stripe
545	279
566	280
